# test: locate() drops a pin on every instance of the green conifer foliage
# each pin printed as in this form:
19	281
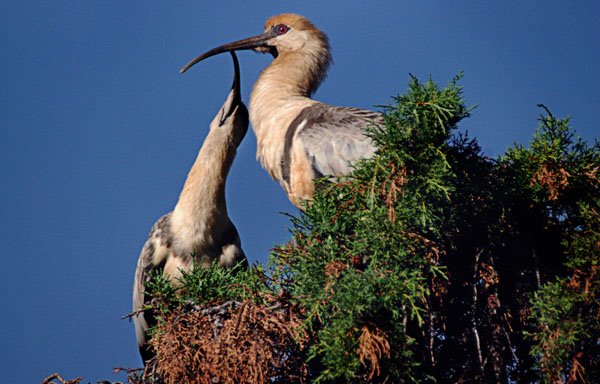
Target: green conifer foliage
431	263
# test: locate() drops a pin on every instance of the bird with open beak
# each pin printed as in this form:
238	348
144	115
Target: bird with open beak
198	231
300	139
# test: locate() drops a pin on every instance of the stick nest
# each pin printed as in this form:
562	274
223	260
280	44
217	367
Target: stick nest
247	343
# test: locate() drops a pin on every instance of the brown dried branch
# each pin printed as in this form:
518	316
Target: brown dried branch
391	187
488	274
256	344
553	177
335	268
372	346
577	370
55	376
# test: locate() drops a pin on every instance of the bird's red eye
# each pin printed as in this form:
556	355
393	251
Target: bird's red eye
281	29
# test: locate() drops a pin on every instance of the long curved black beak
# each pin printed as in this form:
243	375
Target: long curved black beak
248	43
235	95
235	87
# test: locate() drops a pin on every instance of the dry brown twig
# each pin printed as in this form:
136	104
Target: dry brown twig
56	378
373	346
255	344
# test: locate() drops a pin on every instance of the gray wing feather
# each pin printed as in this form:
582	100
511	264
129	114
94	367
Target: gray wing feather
139	320
334	138
158	237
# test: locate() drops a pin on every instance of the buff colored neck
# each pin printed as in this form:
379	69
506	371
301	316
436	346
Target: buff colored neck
202	200
280	93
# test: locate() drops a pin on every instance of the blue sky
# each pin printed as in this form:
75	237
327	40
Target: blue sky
98	131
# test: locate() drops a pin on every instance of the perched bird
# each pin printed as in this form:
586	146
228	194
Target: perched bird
300	139
198	231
